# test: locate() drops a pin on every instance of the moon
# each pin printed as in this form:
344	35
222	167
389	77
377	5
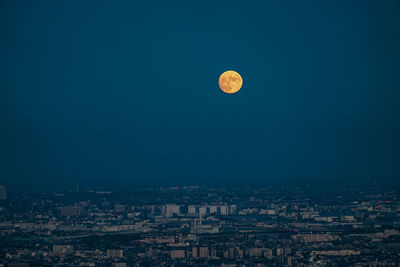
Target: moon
230	82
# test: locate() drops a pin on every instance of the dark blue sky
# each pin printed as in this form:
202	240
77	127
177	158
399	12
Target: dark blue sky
126	91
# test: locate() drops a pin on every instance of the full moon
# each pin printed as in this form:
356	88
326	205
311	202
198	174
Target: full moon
230	82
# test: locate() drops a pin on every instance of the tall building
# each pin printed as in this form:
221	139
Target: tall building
195	252
268	253
3	192
178	254
204	252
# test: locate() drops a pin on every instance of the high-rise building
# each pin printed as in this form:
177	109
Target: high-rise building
3	192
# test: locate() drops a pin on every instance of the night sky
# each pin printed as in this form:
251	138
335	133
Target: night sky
126	92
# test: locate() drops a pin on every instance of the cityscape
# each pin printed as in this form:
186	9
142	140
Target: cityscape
202	226
199	133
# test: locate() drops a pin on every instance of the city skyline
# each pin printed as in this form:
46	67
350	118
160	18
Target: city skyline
203	226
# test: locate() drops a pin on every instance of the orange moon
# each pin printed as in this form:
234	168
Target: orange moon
230	82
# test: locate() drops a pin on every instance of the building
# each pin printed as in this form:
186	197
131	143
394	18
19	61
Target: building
213	253
178	254
120	208
195	253
256	252
115	253
204	229
203	252
170	210
268	253
63	250
71	210
287	251
289	261
315	237
208	209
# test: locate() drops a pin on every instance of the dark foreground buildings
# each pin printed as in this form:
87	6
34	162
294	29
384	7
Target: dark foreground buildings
199	226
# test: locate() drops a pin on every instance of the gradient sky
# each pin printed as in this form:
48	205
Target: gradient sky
126	91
